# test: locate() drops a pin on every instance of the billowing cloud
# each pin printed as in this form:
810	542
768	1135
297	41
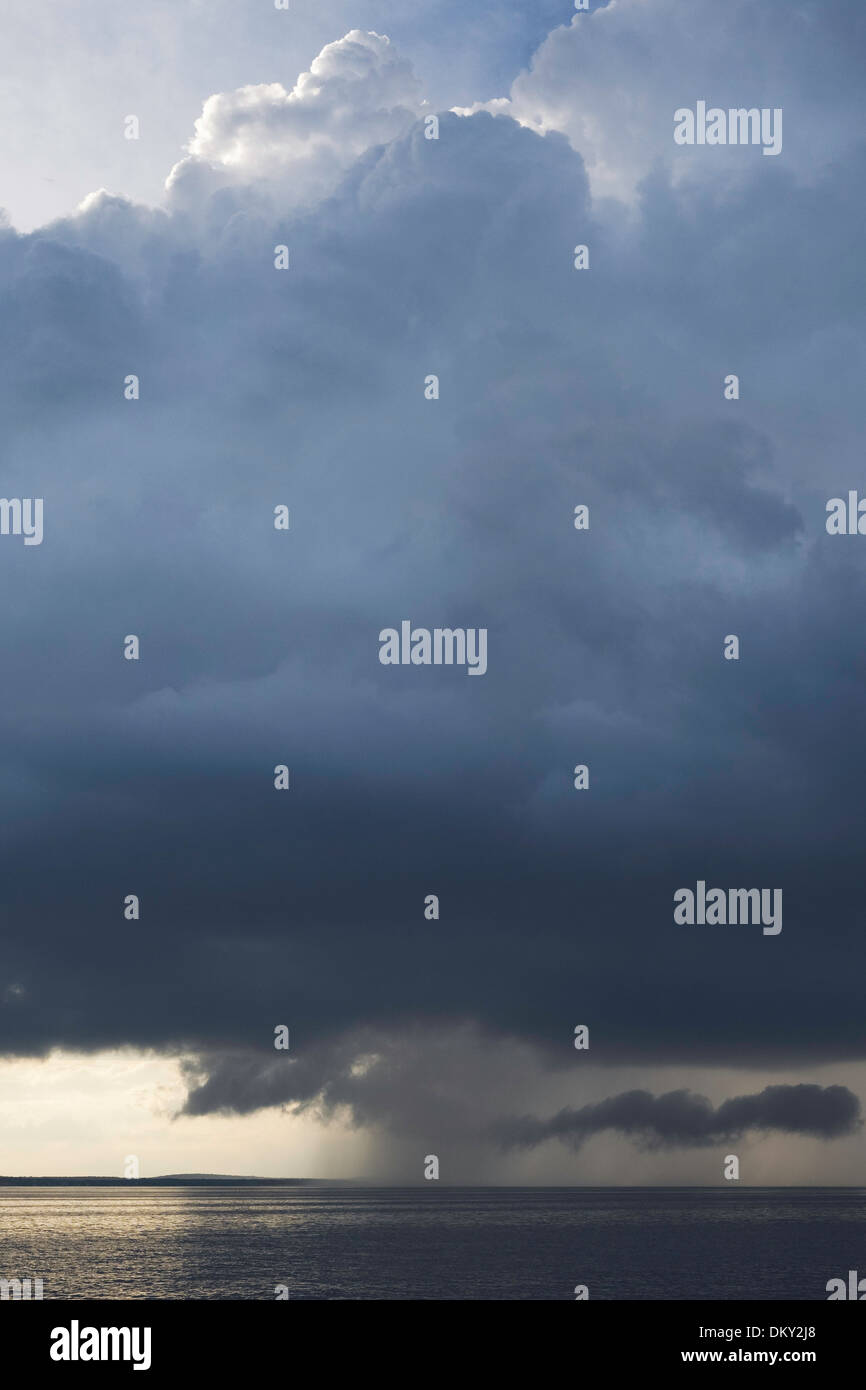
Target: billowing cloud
612	78
358	93
305	388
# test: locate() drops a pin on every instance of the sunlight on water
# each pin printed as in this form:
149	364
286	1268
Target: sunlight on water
447	1243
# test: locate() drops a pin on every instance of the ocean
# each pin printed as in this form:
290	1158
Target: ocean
347	1242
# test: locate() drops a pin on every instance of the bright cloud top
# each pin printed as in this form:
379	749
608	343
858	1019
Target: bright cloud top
358	93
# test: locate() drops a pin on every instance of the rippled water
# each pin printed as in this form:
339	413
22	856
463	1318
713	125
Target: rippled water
432	1242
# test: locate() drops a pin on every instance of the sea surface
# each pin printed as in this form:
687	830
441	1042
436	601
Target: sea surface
324	1242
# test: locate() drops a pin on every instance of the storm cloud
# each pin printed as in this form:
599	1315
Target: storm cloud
681	1119
305	388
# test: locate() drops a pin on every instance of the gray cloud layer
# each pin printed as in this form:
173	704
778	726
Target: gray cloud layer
605	647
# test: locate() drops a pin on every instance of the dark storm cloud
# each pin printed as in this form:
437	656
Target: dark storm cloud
605	647
682	1119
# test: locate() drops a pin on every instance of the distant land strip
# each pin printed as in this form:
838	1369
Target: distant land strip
171	1180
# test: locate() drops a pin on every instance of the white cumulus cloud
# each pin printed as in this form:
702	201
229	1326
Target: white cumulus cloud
358	93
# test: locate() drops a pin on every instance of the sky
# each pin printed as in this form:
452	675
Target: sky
304	388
